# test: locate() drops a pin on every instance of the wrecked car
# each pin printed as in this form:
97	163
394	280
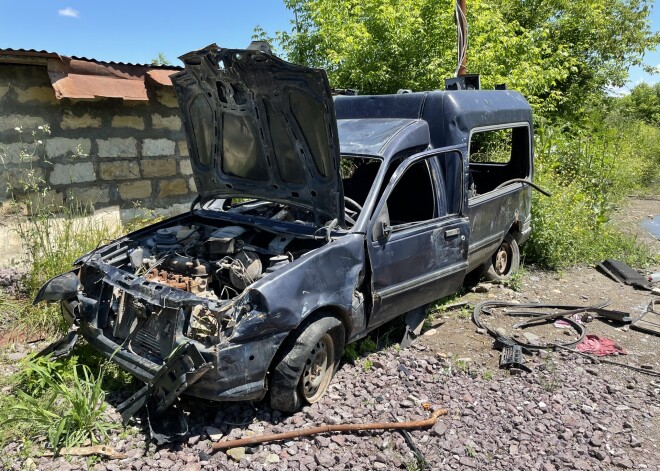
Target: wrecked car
318	219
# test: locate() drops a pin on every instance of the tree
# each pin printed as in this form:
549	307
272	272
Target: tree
642	103
160	60
558	53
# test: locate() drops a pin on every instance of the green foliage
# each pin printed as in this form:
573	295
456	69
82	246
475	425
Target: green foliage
361	348
588	173
643	103
61	402
160	59
367	365
558	53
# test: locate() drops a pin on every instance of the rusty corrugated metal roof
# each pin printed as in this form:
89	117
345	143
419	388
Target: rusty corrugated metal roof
45	54
82	78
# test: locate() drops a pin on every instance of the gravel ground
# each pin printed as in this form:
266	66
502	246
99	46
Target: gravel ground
569	413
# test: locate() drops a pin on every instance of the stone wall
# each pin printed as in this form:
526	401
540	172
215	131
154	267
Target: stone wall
112	154
133	151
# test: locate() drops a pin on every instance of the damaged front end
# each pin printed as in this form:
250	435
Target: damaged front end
177	305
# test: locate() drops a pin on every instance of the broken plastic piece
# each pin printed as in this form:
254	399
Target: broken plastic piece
511	357
622	273
62	347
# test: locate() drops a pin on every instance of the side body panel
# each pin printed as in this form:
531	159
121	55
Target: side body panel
420	262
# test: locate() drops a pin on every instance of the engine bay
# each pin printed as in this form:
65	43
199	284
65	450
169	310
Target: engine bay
214	262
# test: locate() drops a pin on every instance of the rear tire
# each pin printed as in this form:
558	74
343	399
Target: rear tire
505	261
308	362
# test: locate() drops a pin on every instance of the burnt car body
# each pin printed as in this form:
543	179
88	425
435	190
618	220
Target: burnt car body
319	219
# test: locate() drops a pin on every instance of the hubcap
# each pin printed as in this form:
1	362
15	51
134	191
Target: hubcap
318	369
502	258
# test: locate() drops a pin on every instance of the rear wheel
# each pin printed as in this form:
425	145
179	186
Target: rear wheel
307	363
505	261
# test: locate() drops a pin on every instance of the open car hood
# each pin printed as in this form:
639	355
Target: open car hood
260	127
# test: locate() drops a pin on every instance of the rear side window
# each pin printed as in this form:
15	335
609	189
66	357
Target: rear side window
498	156
499	146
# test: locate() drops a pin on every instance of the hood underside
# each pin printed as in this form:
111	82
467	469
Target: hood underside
260	127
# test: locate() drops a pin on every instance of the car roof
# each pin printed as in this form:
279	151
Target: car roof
450	115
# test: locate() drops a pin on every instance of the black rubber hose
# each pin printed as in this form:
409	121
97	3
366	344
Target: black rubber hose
524	180
579	328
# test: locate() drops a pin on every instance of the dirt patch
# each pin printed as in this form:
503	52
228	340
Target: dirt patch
582	286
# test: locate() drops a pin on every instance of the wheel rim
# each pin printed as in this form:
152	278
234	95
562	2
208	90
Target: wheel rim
318	369
502	258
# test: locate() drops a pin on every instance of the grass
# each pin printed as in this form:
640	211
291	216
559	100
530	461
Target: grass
57	403
549	382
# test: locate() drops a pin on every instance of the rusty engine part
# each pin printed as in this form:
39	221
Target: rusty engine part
195	285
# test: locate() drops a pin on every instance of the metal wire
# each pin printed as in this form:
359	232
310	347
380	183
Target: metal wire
462	40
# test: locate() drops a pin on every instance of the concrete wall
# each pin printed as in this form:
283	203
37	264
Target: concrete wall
135	152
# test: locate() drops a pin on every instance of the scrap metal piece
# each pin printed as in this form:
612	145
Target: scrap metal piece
168	426
330	428
184	366
414	323
648	322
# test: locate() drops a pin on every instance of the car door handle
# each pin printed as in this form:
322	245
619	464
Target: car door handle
452	233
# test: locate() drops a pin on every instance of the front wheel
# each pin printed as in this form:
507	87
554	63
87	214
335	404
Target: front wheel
308	362
505	261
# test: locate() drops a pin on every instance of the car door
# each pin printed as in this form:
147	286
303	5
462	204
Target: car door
417	239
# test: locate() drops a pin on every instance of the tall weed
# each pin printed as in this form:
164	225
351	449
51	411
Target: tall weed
63	403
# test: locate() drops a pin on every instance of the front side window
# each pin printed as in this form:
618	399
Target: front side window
413	198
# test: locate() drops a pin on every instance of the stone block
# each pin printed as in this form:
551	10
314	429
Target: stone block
65	174
65	147
185	167
40	94
183	148
119	170
89	196
135	190
167	97
158	168
157	147
12	121
192	185
173	187
70	121
173	123
19	153
117	147
133	122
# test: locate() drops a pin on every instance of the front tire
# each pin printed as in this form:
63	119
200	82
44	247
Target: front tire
308	362
505	261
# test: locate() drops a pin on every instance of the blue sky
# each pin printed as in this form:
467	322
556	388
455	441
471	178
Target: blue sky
136	31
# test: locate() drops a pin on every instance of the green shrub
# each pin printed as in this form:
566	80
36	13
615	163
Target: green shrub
588	173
